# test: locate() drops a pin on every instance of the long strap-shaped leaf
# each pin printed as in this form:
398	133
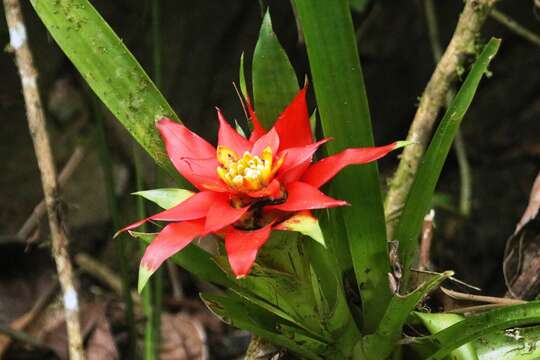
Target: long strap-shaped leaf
419	199
472	328
109	68
343	107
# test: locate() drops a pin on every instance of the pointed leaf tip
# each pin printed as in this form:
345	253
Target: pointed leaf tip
403	143
144	276
305	223
166	198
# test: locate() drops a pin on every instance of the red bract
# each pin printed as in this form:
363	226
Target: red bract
247	187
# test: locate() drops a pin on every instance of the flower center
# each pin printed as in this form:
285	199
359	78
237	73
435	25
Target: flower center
248	172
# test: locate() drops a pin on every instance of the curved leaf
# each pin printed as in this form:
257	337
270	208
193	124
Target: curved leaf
109	69
474	327
513	344
438	322
343	109
423	187
166	198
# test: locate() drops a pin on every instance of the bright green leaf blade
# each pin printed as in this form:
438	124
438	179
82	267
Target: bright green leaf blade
343	109
306	224
515	344
281	278
421	193
110	70
195	260
483	324
438	322
274	80
166	198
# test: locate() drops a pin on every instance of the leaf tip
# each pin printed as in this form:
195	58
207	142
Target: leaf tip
144	276
403	143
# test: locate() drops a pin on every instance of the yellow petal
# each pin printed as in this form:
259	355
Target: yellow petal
226	156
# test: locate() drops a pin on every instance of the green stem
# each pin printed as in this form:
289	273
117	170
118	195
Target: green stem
120	241
147	294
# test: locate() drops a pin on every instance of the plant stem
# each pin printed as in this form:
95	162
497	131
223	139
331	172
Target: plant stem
120	241
150	352
40	209
433	99
43	151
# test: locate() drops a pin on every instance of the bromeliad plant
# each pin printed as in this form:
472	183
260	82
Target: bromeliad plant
247	187
321	297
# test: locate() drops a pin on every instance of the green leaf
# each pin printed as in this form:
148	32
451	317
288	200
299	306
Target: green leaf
109	69
280	277
382	342
438	322
242	78
304	223
166	198
423	187
243	315
329	293
483	324
274	80
144	276
513	344
343	109
195	260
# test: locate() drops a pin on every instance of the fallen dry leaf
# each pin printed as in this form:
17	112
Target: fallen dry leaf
182	338
534	204
521	264
50	326
101	345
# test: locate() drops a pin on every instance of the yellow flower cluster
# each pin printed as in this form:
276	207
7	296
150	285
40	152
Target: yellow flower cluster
249	172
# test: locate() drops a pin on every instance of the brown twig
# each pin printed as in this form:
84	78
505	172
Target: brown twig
515	27
481	298
20	336
462	43
42	149
22	322
476	308
459	143
40	209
